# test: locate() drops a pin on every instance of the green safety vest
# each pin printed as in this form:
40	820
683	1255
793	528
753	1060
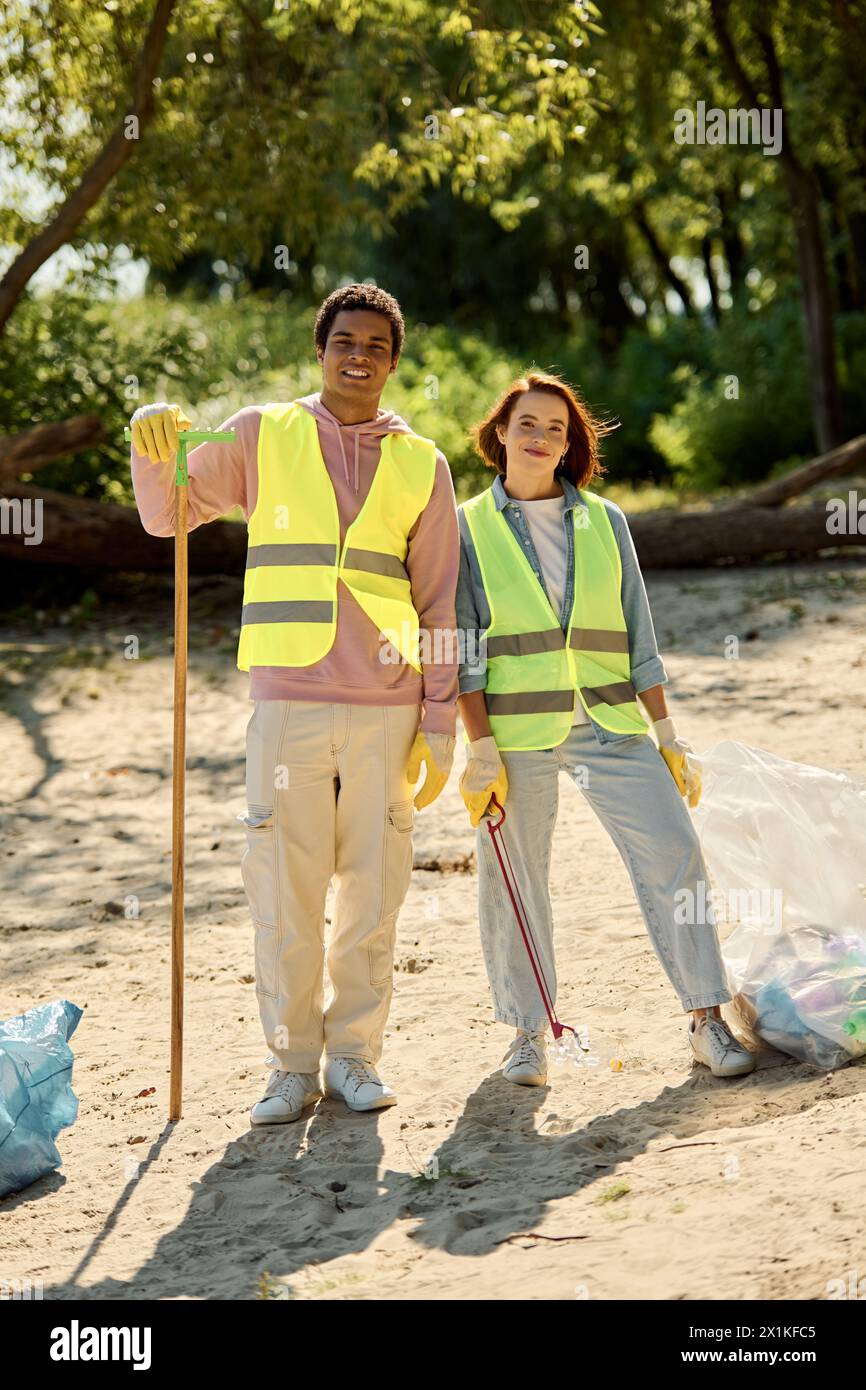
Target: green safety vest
534	669
294	558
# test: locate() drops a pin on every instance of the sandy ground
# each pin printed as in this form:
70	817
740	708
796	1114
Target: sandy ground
658	1182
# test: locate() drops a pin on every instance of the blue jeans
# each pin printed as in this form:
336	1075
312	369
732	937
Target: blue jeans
629	787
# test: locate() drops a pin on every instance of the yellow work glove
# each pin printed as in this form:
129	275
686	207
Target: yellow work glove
675	753
484	776
436	751
154	430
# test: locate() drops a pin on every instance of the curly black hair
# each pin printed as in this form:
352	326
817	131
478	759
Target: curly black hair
361	297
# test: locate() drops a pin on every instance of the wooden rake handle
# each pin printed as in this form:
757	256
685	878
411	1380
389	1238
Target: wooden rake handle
178	753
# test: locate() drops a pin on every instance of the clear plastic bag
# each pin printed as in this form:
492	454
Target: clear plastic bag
785	848
36	1097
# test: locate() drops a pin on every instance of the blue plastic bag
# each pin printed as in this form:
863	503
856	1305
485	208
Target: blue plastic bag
36	1097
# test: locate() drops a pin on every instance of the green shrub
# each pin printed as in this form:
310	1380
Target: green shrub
725	432
67	354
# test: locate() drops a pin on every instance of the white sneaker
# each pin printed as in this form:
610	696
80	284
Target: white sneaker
286	1094
357	1083
714	1044
528	1060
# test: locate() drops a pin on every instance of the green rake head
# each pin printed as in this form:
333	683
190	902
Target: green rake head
184	438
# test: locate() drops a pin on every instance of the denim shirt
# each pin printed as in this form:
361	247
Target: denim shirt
473	610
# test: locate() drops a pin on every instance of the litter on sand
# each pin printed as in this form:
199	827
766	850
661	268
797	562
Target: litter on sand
36	1097
785	847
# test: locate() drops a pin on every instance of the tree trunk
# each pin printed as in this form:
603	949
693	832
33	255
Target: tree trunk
664	266
738	534
735	254
833	465
707	254
803	195
818	307
840	240
103	536
33	448
111	158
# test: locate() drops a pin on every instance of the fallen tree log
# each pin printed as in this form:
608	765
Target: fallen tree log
41	444
102	535
679	540
833	465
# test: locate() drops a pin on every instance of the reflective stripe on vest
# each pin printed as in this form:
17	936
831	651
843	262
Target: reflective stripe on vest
294	559
534	669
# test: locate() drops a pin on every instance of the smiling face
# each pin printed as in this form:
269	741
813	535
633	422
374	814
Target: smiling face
536	435
356	363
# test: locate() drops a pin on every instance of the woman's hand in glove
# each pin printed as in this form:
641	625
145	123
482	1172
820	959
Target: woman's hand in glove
675	753
484	776
154	430
436	752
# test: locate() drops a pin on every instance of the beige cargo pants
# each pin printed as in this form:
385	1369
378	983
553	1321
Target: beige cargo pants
327	799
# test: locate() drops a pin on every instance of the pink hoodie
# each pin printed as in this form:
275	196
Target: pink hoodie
225	475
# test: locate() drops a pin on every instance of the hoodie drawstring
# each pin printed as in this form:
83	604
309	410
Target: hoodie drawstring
345	460
343	452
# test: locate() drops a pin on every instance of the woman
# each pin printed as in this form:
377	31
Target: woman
551	591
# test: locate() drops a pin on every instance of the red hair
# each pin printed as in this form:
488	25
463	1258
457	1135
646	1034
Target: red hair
580	463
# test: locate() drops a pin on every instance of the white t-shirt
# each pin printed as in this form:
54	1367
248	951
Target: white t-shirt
544	518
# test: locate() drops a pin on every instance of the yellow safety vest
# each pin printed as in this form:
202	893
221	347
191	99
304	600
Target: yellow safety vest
294	557
534	670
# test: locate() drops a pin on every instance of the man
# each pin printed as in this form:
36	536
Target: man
352	539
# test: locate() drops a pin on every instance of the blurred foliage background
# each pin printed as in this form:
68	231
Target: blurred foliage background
509	172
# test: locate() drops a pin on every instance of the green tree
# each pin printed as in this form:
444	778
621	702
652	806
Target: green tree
235	124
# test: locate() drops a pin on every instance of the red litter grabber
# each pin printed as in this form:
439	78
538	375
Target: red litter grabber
577	1045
